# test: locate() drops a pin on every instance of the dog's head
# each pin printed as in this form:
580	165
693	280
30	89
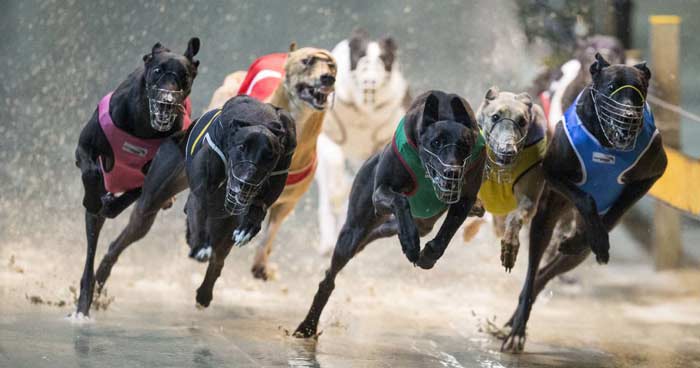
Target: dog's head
253	148
310	76
445	145
505	119
619	96
168	79
371	64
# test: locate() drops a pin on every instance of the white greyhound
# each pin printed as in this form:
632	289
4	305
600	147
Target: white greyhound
371	96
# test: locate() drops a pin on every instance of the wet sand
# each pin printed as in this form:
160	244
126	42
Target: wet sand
384	312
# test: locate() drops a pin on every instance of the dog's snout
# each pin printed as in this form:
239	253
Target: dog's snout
327	80
510	148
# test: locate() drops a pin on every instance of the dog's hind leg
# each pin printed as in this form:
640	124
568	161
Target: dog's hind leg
550	207
277	213
352	240
220	230
362	226
93	225
165	179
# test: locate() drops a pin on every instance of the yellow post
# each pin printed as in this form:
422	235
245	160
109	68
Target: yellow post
665	47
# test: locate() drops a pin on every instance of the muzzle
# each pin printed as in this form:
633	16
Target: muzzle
239	191
503	150
447	179
164	106
620	123
369	77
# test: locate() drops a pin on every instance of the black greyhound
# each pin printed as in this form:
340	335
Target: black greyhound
121	138
605	155
438	138
237	160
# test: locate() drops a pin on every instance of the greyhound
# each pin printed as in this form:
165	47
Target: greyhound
433	165
248	146
371	95
515	133
300	82
117	145
605	155
558	92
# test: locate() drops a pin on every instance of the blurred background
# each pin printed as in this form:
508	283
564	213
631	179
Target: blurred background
60	57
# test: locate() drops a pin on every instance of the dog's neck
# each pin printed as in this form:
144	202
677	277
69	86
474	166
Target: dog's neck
129	108
308	122
586	112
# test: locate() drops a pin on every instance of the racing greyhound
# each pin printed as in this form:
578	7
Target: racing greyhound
248	146
515	133
121	138
434	164
605	155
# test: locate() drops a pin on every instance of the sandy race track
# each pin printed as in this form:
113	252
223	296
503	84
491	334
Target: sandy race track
384	312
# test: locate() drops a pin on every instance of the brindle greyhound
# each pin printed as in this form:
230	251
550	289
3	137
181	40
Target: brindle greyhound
121	138
515	133
604	156
391	195
247	145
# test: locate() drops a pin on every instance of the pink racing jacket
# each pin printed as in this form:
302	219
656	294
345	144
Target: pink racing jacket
131	154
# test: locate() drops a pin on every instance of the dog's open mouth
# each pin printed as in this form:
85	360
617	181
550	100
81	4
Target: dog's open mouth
316	97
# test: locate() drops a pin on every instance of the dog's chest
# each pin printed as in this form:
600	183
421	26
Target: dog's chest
361	133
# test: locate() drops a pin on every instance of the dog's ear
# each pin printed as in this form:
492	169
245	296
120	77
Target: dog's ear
644	69
285	129
598	64
389	44
460	113
158	47
359	33
292	46
524	98
431	110
192	50
492	93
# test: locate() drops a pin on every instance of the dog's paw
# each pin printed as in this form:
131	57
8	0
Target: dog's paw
306	330
78	317
599	241
260	272
428	256
509	253
203	298
244	234
477	209
201	254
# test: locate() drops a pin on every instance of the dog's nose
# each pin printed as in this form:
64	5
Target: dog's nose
327	80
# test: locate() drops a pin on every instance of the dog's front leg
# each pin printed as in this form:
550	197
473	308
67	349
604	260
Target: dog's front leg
250	224
387	201
527	190
510	243
435	248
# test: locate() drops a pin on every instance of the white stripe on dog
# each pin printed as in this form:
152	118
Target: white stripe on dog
263	74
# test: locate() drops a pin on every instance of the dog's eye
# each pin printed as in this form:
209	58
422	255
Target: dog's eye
156	70
611	87
436	142
306	61
495	117
242	147
522	123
